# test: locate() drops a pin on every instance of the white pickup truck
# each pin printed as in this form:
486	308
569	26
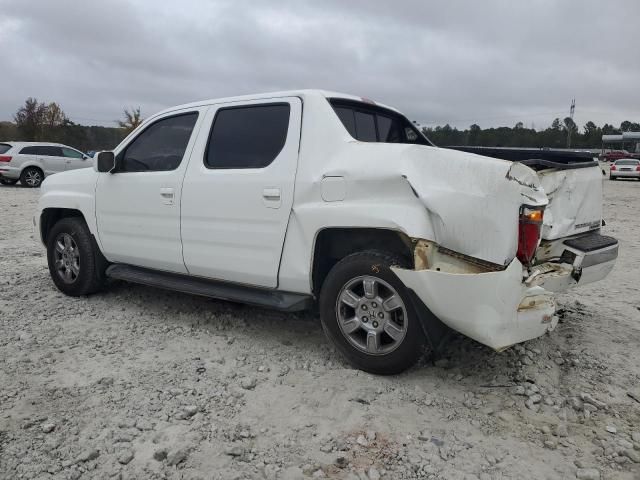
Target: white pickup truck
287	199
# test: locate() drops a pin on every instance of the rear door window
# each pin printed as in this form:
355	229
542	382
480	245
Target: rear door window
247	137
52	151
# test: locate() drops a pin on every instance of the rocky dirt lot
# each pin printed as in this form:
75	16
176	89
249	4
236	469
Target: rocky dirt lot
143	383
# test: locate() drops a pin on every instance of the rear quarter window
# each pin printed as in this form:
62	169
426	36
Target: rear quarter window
4	147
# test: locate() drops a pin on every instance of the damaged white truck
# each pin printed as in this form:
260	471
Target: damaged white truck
285	200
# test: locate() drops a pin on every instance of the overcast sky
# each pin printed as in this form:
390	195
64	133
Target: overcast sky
461	62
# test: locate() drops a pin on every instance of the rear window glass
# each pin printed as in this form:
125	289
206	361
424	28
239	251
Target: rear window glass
4	147
371	123
247	137
627	162
365	126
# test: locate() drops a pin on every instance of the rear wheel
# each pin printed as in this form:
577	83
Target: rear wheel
74	264
367	313
8	181
31	177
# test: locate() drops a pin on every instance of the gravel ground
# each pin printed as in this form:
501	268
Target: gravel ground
142	383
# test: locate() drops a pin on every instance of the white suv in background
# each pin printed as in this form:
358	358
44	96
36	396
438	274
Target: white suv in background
31	162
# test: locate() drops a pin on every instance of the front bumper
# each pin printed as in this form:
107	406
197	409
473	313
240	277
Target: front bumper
502	308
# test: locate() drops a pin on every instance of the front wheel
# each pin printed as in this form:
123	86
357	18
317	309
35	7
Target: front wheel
74	264
367	313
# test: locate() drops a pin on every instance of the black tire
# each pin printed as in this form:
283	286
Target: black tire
612	178
8	181
31	177
91	267
376	264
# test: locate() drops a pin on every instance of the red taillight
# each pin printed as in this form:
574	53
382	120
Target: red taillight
613	167
5	158
638	168
529	233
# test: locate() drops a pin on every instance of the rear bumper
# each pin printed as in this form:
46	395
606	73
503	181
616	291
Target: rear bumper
11	173
505	307
625	174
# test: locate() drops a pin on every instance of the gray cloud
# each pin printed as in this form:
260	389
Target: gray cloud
461	62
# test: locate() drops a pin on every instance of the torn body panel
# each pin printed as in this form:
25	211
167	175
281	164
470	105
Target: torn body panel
494	308
500	306
575	201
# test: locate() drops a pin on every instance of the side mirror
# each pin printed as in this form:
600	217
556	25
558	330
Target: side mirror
106	162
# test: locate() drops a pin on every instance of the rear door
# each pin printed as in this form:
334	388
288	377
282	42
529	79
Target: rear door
238	191
51	159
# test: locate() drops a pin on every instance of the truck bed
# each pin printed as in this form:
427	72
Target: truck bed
536	158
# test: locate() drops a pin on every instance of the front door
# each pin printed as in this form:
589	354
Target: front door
138	206
75	159
238	191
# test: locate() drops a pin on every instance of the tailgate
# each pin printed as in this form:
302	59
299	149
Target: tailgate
575	197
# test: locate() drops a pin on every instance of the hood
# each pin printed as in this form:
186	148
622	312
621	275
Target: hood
78	177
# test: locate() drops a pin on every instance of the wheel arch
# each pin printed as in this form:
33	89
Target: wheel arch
51	215
332	244
32	164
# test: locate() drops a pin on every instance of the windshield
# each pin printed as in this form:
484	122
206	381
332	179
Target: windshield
372	123
627	162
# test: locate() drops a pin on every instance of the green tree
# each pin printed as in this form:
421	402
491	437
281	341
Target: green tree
54	116
30	119
628	126
132	119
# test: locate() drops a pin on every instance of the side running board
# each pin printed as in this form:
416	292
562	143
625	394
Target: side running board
284	301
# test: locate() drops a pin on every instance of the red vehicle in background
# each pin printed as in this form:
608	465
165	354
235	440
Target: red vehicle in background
613	155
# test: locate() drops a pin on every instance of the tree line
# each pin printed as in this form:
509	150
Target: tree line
47	122
40	121
554	136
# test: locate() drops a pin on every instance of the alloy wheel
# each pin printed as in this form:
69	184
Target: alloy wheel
33	178
67	258
371	315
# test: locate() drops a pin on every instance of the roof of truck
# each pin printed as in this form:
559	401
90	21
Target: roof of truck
286	93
